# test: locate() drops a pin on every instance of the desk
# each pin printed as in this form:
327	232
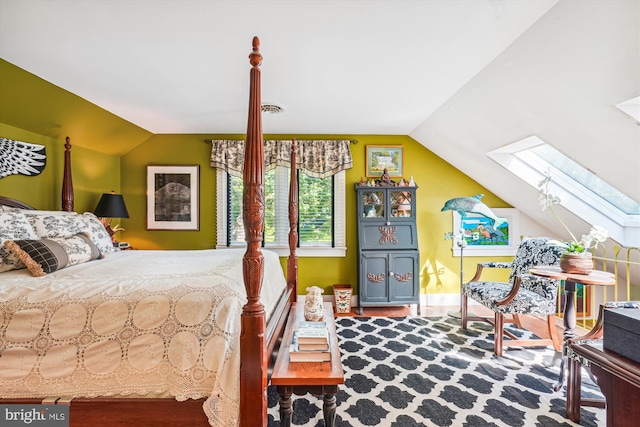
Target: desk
600	278
619	381
300	378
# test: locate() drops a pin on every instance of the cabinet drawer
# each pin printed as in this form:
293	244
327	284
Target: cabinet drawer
398	235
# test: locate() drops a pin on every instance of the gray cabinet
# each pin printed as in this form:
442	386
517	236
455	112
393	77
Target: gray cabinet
388	272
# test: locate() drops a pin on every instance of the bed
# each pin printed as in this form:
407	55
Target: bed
145	337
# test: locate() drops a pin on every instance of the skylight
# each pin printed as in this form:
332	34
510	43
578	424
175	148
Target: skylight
581	191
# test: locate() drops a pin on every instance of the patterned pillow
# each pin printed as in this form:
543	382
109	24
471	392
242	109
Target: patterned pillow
48	224
48	255
13	225
98	233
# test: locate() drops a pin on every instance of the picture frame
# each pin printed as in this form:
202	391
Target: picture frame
380	157
173	197
482	239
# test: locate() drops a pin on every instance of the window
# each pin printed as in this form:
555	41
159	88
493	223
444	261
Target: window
581	191
321	216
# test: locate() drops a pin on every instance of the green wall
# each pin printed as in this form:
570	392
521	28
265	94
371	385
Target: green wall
168	150
110	153
438	182
31	103
93	174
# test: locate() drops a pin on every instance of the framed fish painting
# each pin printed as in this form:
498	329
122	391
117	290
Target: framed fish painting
485	236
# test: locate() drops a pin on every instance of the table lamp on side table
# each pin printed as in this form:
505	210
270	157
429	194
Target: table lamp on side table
111	206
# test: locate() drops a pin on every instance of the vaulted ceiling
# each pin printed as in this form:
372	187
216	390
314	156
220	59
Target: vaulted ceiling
461	77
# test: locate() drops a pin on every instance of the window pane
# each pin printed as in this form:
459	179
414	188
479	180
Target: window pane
315	207
235	225
587	179
270	218
235	218
316	210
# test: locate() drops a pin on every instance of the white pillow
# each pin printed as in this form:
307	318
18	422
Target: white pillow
61	224
13	225
97	233
53	224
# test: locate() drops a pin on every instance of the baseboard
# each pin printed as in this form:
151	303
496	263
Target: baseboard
427	300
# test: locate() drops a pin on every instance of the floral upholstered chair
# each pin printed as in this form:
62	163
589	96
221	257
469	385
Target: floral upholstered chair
523	294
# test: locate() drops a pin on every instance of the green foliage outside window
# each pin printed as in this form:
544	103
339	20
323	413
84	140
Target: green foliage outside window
315	206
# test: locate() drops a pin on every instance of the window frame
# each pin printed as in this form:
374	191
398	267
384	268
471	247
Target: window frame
339	248
518	159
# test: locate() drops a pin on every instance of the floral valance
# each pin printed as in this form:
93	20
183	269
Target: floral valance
316	158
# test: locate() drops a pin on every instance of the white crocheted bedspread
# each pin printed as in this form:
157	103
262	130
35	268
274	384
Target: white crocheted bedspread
135	322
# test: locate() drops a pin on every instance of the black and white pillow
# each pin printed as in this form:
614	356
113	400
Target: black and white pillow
48	224
98	233
45	256
60	224
13	225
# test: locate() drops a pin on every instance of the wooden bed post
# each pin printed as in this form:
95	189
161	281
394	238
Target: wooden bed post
67	180
292	261
253	357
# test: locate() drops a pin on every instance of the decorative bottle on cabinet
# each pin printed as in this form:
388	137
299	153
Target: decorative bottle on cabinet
388	272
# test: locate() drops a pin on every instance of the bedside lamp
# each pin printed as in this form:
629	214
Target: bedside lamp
111	206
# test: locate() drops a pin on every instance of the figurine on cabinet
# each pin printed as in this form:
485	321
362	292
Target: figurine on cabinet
385	180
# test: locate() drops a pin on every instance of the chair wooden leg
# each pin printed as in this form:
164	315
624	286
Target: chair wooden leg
463	312
516	320
553	332
498	334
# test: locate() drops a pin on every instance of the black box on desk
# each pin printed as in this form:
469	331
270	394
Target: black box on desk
621	332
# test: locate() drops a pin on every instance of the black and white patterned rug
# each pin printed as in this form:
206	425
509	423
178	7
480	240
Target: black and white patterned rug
405	372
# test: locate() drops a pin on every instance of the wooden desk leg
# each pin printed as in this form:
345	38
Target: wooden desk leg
329	407
286	405
569	321
574	391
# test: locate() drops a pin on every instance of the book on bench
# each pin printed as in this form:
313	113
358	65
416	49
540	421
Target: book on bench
313	333
298	355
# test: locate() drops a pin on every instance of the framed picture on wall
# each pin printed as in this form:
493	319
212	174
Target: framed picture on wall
483	238
173	197
381	157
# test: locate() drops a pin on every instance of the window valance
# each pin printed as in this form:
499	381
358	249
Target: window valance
316	158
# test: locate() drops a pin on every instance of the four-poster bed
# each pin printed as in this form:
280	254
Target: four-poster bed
261	321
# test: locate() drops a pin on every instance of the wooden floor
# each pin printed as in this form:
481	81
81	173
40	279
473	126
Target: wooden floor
425	311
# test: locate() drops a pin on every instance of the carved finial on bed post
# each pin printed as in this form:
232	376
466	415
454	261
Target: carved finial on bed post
255	58
253	351
67	180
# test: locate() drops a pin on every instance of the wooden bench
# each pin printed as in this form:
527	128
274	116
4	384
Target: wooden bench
300	378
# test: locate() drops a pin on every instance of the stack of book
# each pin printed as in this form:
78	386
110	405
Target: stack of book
310	343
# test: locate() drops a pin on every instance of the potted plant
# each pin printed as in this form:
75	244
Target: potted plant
577	257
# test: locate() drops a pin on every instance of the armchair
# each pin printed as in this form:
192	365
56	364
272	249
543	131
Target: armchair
523	294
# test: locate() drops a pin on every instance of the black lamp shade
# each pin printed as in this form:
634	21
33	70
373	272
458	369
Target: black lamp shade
111	206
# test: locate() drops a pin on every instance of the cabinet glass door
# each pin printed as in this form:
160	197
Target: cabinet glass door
401	204
373	204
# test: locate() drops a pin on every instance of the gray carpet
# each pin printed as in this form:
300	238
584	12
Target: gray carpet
404	372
